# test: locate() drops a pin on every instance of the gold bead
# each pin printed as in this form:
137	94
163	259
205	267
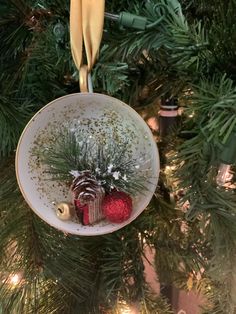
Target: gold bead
65	211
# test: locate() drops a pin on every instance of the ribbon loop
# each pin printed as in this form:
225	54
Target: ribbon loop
83	78
86	26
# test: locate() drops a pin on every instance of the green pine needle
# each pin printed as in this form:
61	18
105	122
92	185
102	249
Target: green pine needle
110	163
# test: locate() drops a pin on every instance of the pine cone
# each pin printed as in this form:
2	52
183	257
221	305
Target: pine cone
85	187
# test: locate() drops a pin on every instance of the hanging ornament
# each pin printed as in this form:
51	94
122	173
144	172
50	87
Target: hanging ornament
117	207
168	116
227	158
65	211
103	122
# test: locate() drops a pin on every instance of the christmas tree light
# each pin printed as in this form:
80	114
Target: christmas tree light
227	158
14	279
168	115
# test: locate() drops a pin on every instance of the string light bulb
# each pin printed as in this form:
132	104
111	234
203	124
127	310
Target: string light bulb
14	279
125	308
125	311
224	174
168	116
227	158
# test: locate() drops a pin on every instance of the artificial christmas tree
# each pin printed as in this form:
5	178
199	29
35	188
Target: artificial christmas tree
165	48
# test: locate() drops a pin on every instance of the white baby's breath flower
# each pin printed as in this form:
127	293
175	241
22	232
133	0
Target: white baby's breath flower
125	178
74	173
116	175
80	143
109	168
98	170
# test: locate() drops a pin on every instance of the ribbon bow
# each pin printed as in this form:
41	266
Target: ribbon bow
86	26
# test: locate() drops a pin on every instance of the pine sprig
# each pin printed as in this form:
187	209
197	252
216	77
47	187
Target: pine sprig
111	163
12	120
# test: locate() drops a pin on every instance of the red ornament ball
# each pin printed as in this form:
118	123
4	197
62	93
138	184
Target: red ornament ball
117	206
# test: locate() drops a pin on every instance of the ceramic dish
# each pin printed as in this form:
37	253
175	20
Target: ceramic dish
97	115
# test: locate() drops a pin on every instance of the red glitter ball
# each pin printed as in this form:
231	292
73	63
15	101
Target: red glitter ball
117	207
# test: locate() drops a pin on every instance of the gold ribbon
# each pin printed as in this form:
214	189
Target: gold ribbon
86	26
